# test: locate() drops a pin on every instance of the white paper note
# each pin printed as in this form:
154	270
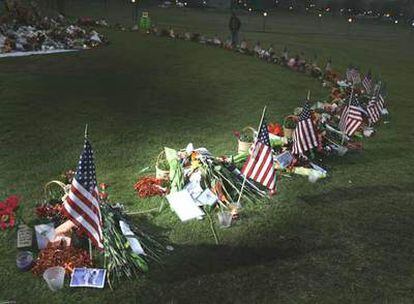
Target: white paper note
136	246
184	206
126	230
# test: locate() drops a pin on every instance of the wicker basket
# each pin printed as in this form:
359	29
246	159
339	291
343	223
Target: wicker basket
243	146
65	188
287	132
159	173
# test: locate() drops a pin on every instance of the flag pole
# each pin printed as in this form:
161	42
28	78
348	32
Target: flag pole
89	240
309	93
245	176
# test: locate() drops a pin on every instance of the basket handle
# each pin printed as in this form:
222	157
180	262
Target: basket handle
65	188
293	117
248	128
158	157
59	183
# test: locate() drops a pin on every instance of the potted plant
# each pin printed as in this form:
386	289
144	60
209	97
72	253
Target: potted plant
245	139
162	167
289	125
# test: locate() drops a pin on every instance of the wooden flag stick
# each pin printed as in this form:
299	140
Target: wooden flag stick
309	93
90	248
86	131
245	176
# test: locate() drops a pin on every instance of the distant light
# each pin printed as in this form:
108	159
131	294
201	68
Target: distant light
412	24
350	20
250	9
133	1
185	3
265	14
290	7
387	15
320	15
396	21
328	9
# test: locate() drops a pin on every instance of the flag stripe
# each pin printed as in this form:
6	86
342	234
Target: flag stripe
259	166
74	216
82	204
85	213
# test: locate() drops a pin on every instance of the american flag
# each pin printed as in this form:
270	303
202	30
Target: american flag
374	109
82	204
351	118
304	137
367	82
260	164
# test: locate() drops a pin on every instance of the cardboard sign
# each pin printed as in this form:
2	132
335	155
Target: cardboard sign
24	236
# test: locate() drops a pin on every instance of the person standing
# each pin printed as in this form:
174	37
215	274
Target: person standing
234	26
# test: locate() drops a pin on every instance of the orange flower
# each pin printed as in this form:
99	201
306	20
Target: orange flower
275	129
103	186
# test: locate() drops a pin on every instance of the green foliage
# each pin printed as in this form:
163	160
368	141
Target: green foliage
347	239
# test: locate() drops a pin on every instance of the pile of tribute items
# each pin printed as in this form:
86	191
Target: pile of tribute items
297	63
26	30
75	215
195	182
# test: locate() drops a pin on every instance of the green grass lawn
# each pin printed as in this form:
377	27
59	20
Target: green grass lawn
347	239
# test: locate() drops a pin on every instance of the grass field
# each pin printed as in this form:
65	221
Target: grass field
347	239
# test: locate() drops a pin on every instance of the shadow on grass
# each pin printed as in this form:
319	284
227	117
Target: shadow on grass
344	194
197	261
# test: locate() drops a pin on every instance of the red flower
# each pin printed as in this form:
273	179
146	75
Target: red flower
7	208
236	133
12	201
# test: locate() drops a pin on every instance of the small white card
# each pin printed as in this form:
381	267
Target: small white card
207	198
136	246
194	189
44	234
184	206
